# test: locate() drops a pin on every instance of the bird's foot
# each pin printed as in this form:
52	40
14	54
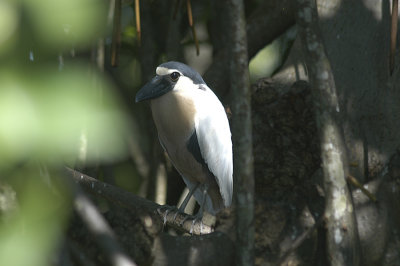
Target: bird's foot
179	211
170	215
197	219
164	210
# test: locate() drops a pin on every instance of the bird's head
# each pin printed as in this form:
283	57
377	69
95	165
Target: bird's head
169	76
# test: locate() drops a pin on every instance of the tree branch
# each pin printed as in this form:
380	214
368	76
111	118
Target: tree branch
357	184
342	236
116	35
145	209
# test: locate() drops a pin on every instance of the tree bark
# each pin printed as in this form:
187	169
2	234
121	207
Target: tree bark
242	135
342	236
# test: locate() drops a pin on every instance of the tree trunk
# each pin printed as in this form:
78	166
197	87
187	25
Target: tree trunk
242	137
342	235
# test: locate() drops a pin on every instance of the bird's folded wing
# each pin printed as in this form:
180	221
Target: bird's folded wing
214	139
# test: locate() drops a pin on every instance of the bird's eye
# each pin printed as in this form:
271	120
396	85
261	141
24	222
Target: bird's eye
175	76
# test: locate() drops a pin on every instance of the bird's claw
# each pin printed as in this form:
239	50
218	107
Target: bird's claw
176	214
196	219
167	209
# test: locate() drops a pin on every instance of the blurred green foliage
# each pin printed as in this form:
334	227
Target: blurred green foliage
32	232
50	114
57	23
268	60
265	62
43	115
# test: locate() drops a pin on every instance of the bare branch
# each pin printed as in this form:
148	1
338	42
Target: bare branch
116	35
191	24
137	15
112	193
144	208
342	236
357	184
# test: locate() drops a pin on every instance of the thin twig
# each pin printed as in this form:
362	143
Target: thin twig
393	35
357	184
191	24
112	193
137	13
116	36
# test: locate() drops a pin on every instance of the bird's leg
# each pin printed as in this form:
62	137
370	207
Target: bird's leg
181	209
199	215
187	198
185	202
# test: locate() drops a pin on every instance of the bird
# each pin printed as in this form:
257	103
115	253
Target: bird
194	131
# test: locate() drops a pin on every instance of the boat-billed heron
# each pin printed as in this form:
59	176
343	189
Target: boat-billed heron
194	131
